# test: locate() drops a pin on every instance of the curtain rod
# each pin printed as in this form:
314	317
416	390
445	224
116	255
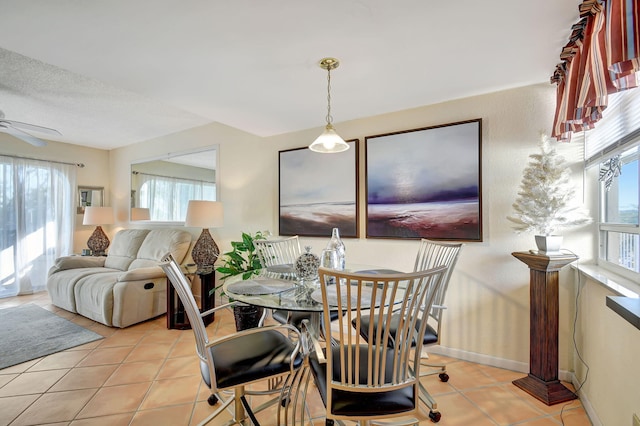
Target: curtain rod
134	172
81	165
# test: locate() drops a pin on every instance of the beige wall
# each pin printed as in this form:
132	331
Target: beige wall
95	172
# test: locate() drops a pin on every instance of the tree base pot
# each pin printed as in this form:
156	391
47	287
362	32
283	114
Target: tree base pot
549	244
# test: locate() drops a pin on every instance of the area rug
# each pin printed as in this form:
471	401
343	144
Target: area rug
28	332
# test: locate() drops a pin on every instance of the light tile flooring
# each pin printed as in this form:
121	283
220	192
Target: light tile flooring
148	375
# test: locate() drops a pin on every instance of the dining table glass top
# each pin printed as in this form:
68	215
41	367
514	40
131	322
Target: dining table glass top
278	287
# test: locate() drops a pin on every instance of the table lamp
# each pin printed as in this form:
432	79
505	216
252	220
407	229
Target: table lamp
140	213
204	214
98	241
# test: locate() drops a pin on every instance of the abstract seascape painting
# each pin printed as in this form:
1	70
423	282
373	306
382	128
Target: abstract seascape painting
425	183
319	192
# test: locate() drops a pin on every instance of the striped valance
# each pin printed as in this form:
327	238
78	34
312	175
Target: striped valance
601	57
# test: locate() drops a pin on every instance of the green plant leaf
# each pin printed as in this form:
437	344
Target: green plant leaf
242	258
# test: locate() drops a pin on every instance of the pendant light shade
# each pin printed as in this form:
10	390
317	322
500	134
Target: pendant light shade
329	141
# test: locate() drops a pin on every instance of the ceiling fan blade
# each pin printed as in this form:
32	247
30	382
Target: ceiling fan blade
31	127
21	135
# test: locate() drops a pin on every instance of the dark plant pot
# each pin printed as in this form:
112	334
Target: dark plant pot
247	316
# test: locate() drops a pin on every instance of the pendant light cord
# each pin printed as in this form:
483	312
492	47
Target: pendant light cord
329	117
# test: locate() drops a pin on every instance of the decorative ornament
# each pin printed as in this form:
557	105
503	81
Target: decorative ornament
307	265
609	170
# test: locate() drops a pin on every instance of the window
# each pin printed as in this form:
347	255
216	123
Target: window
619	232
615	148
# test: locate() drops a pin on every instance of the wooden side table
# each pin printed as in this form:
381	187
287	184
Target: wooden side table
542	381
176	315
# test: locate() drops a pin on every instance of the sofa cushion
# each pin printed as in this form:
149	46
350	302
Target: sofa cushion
61	285
75	262
158	243
124	248
94	296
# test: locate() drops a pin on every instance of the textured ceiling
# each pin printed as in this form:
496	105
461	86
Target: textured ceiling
112	73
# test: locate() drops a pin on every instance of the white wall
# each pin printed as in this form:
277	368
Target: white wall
95	172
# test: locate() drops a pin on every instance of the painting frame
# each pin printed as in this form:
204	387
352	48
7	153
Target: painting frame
318	192
412	193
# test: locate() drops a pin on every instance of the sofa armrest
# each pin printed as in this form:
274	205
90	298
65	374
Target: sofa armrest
75	262
139	274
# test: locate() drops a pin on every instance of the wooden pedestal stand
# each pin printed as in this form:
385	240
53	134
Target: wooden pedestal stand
542	381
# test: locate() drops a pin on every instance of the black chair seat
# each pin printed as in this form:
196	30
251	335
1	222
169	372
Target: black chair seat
357	403
250	357
430	335
295	318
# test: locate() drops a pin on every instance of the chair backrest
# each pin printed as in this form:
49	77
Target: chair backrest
434	253
283	251
381	368
183	288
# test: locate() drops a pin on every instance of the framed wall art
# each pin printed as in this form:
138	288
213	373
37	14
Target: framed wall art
425	183
319	192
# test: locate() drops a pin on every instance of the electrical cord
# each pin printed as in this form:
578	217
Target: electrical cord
575	344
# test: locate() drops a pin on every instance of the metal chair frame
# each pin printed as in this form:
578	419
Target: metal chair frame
431	253
366	370
273	252
241	407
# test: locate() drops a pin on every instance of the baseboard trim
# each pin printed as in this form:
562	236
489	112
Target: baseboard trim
480	358
588	408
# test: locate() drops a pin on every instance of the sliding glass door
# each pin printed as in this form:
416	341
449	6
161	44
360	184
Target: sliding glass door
37	212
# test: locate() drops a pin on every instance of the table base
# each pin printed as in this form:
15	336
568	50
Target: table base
550	393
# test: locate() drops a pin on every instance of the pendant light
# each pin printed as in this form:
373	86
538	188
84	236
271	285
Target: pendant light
329	141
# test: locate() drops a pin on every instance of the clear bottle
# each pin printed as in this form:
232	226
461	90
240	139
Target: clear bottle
335	243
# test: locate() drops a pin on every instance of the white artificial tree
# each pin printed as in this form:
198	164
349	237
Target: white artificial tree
545	202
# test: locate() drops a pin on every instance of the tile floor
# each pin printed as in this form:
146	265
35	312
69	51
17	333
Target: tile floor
148	375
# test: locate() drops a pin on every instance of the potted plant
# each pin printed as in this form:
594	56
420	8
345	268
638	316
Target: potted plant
545	202
242	259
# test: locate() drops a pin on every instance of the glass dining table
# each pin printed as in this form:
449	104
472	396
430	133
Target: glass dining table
278	287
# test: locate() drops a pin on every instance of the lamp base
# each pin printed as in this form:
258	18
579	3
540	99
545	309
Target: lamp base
98	242
205	251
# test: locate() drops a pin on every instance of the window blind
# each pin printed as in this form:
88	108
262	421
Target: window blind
618	128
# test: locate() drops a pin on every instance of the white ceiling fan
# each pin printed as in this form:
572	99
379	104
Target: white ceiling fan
19	130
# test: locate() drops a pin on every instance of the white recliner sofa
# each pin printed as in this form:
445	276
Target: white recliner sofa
123	288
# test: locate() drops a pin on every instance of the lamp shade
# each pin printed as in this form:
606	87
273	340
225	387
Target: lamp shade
140	213
329	142
97	216
204	214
